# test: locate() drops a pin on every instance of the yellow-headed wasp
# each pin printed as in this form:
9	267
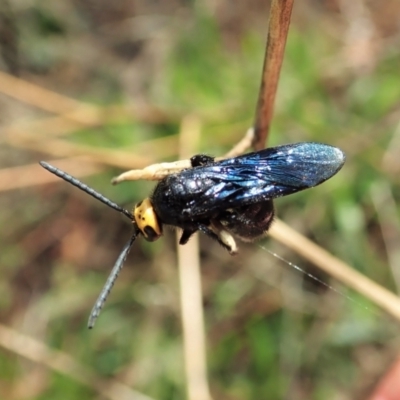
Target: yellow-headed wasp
222	199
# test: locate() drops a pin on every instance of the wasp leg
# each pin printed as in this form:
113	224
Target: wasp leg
224	238
185	236
200	160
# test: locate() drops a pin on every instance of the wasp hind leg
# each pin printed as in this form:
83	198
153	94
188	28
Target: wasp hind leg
223	237
216	232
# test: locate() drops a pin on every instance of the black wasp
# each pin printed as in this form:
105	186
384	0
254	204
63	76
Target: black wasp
223	199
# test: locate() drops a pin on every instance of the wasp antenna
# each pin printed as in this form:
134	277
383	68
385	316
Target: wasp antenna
80	185
110	281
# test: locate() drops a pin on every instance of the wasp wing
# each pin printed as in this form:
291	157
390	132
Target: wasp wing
265	175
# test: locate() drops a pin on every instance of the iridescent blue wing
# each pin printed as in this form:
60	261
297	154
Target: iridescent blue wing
265	175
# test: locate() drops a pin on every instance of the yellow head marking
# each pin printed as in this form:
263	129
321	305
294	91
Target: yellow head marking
147	221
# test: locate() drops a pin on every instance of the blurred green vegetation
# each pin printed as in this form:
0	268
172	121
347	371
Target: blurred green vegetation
272	333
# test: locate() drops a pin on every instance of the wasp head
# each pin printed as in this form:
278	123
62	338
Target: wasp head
147	220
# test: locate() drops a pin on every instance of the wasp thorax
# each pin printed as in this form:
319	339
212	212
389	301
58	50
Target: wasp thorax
147	221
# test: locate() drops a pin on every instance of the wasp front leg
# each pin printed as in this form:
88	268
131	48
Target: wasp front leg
186	234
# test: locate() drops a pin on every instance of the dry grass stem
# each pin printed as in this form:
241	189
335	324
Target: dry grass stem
156	172
37	96
61	362
240	147
63	148
336	268
279	22
386	209
20	177
194	342
40	129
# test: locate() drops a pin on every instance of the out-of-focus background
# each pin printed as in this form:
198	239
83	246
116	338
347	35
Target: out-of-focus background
115	81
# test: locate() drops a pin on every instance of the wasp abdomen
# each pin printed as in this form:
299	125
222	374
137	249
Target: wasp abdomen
249	222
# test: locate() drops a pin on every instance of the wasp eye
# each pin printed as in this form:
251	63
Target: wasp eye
150	234
147	220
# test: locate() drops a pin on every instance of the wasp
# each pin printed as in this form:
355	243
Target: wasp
222	199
